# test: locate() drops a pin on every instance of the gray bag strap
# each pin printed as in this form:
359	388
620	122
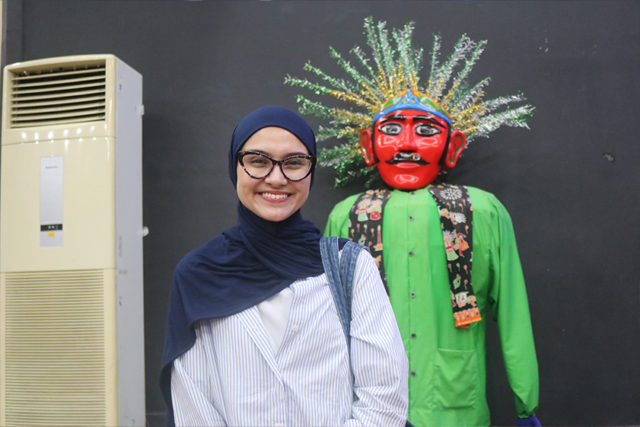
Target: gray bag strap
340	272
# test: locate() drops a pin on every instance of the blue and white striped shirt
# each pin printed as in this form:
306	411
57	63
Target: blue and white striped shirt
232	375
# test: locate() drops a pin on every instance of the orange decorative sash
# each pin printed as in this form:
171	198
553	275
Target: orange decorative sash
456	218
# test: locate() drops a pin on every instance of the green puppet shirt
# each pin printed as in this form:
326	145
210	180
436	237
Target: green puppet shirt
447	373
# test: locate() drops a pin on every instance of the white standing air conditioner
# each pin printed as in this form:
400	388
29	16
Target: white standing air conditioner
71	296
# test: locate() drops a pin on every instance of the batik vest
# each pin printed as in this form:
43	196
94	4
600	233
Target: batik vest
456	219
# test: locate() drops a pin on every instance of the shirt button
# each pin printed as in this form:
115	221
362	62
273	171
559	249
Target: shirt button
413	373
412	294
410	253
410	217
295	328
413	335
412	192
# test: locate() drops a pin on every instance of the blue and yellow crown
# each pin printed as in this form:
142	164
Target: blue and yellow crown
412	100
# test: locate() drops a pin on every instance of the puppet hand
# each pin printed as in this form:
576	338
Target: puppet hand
532	421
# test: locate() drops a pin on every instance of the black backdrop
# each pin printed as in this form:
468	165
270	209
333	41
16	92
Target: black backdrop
571	183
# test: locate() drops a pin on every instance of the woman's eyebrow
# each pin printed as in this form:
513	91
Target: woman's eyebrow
266	153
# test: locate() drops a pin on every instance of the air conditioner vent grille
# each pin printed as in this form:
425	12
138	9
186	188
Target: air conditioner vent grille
61	95
55	348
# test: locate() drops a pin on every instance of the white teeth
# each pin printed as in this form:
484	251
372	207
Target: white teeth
274	196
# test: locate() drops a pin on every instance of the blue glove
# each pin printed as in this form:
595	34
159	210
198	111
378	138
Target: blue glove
532	421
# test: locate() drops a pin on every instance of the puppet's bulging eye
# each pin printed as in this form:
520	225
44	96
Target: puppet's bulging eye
424	129
391	129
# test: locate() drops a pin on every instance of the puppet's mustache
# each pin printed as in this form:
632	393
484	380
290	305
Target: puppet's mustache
407	157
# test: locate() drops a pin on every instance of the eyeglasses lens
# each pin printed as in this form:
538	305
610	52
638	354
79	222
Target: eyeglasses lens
259	166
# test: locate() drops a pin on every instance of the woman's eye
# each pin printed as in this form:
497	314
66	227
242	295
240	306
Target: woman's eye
424	129
257	161
296	163
391	129
293	163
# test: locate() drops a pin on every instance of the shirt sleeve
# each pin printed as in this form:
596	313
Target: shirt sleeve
378	358
511	311
191	388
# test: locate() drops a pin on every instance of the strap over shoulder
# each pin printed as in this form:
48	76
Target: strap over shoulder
340	271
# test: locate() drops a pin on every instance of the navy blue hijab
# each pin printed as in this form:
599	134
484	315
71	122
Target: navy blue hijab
247	263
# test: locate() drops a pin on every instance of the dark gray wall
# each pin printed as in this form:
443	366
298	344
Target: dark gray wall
571	183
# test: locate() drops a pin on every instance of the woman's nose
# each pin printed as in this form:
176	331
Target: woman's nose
276	176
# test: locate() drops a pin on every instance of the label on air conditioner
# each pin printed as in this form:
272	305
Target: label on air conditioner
51	178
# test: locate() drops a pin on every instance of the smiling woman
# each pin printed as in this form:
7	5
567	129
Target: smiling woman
253	334
273	195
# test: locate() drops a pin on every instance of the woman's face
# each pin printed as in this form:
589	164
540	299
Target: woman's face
273	198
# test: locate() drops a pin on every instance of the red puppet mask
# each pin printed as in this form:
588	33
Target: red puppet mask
408	142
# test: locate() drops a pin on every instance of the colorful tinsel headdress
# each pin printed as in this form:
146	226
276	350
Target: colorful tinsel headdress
396	68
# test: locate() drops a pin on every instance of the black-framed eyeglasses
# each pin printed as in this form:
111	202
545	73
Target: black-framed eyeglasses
259	165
